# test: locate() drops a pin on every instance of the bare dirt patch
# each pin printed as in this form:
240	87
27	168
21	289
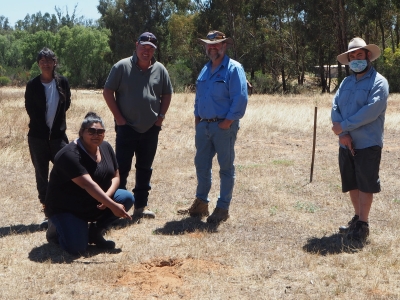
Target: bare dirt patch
165	276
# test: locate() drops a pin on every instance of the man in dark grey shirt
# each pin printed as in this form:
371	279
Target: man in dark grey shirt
138	92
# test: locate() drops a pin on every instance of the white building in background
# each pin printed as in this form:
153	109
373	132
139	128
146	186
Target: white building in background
333	69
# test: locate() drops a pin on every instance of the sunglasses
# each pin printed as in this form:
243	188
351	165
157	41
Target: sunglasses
46	61
148	39
93	131
215	36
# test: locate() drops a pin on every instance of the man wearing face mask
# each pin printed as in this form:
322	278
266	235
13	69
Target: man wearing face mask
358	116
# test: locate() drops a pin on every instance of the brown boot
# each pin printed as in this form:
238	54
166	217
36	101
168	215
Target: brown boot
219	215
199	208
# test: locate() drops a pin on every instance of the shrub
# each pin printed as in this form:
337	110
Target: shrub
181	76
390	70
262	83
4	81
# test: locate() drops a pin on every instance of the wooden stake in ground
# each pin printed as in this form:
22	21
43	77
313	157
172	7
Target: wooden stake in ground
313	147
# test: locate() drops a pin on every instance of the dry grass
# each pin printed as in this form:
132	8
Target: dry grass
280	243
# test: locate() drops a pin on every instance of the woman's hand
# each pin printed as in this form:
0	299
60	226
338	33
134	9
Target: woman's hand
94	190
119	211
101	206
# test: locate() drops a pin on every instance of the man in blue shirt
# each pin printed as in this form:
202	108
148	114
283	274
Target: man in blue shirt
221	100
358	116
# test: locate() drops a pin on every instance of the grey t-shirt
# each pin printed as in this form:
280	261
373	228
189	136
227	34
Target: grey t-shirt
138	92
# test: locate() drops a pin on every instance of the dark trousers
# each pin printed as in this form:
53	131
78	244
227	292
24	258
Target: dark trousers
144	145
42	152
72	233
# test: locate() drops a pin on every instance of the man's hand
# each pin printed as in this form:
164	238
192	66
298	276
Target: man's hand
336	128
120	121
225	124
159	121
347	141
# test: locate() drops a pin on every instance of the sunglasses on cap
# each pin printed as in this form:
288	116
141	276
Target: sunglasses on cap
215	36
147	38
93	131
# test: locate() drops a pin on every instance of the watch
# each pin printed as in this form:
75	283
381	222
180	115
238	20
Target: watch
162	116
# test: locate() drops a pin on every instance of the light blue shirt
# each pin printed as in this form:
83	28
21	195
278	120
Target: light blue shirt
360	106
223	93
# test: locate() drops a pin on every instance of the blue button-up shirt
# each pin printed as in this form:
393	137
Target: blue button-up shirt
360	106
223	93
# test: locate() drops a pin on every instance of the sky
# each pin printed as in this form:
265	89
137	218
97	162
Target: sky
16	10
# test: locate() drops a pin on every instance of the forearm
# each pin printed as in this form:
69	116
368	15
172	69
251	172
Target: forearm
29	102
112	105
164	105
165	102
94	190
114	186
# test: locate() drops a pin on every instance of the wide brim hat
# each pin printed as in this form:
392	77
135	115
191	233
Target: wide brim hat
215	37
359	43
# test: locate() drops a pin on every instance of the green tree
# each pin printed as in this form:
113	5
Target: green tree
83	52
128	19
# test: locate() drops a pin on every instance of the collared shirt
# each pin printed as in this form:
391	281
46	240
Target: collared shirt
138	93
360	105
223	93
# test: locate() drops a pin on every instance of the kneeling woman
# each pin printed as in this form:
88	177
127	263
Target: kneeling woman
83	188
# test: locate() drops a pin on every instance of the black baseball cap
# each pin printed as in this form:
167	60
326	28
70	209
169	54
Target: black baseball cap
147	38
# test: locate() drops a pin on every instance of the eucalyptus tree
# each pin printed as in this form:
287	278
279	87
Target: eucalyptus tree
128	19
83	52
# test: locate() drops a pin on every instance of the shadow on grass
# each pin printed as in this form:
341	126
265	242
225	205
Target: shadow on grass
54	254
334	244
187	225
19	229
32	228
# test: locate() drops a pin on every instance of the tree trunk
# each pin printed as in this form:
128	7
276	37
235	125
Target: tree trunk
382	33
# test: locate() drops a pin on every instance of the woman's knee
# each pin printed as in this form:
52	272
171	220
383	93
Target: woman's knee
124	197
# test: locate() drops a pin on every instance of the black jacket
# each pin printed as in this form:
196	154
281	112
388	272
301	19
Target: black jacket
35	104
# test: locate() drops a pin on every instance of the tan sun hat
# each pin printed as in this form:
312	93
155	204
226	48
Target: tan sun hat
358	43
215	37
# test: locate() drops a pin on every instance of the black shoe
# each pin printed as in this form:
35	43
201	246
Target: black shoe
44	225
51	233
350	226
96	237
360	232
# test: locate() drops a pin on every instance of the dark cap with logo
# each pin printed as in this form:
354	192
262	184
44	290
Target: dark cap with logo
147	38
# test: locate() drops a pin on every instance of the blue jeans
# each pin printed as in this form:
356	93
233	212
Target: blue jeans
211	140
72	232
43	151
144	145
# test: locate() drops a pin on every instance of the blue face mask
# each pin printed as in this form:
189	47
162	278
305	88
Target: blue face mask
358	66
